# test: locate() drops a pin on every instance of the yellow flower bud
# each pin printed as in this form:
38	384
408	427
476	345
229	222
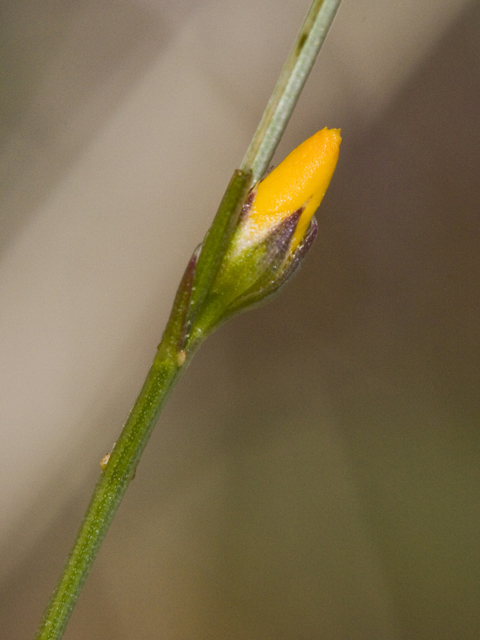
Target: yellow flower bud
299	182
275	232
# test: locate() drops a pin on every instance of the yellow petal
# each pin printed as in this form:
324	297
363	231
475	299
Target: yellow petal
299	181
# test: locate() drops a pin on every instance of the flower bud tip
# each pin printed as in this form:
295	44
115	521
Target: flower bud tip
299	182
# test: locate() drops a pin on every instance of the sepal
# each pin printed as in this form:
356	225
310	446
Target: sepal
253	276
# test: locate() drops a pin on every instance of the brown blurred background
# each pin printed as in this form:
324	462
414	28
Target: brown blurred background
317	472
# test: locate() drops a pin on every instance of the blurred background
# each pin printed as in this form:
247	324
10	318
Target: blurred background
316	474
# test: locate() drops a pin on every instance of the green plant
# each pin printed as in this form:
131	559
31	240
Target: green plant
252	248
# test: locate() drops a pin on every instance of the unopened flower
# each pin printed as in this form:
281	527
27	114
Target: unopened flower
297	184
275	231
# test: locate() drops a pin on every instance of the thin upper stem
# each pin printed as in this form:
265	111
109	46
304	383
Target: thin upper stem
289	86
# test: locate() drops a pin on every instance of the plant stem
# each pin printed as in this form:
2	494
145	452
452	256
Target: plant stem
289	86
168	366
108	493
173	355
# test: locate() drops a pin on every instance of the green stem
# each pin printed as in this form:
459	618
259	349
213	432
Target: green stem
172	359
289	86
175	350
108	494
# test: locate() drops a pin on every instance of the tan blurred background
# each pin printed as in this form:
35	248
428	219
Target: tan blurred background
317	472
